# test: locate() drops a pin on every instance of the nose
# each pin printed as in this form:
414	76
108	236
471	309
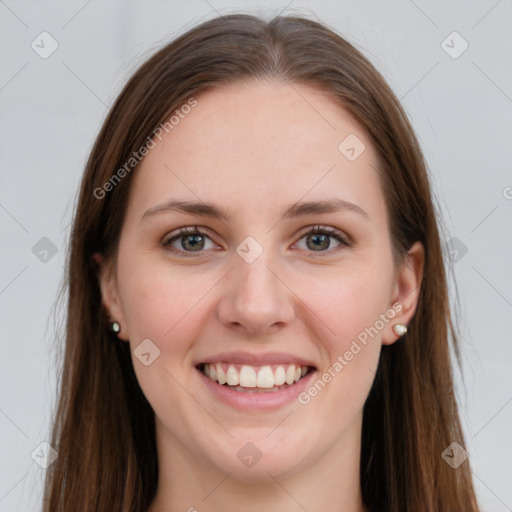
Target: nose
256	299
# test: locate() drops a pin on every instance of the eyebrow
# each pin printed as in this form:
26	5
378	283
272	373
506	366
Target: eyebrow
206	209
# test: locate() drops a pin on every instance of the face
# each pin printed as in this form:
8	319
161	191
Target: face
255	289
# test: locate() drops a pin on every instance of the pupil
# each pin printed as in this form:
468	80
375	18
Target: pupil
321	238
194	244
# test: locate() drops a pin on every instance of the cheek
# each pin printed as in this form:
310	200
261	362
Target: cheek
161	304
347	305
348	310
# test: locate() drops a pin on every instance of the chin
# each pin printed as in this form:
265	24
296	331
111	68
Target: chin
260	460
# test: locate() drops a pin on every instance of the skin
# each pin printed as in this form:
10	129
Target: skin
254	149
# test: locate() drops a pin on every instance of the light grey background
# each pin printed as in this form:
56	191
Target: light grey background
51	110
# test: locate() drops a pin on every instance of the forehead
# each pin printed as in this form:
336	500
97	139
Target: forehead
261	145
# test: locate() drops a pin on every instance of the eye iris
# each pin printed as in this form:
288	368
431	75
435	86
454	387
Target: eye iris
319	241
197	242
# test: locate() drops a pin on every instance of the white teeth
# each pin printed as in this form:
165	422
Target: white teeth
290	374
279	376
255	377
247	377
221	376
265	378
233	378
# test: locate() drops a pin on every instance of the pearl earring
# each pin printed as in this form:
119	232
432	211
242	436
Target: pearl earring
399	329
115	327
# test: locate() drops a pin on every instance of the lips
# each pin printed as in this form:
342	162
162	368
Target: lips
254	383
243	371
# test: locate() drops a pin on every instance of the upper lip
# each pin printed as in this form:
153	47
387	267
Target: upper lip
248	358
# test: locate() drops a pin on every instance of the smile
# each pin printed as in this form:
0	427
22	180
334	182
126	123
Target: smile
253	382
248	378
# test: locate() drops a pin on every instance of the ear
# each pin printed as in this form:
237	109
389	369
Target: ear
110	294
405	291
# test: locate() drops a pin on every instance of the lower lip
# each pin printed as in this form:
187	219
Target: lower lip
260	401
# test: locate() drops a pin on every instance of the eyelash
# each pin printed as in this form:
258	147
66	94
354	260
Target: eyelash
194	230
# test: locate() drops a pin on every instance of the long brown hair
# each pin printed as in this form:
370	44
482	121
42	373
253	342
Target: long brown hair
104	428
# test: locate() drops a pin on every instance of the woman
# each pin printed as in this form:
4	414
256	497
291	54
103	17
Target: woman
258	315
